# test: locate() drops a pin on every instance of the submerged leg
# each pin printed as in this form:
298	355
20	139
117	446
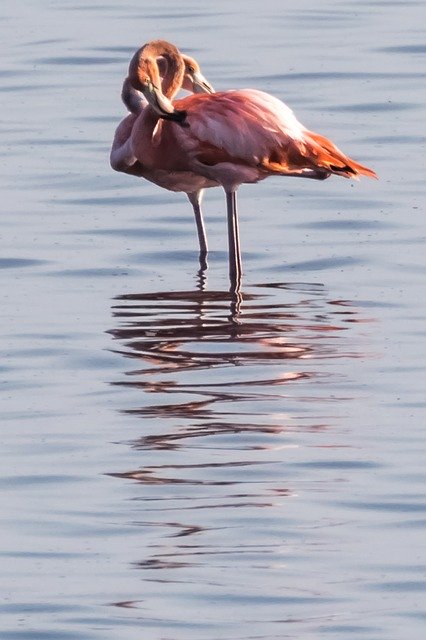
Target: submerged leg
235	267
195	199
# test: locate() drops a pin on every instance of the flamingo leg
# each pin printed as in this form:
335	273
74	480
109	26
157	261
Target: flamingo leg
195	198
235	266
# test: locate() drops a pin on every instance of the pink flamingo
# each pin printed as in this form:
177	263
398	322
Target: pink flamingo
225	138
122	157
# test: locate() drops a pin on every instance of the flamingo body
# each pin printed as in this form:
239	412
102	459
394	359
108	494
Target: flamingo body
235	137
210	139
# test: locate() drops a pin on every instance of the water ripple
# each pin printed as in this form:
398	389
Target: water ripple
19	263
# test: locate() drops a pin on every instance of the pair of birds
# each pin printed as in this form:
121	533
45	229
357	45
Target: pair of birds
213	139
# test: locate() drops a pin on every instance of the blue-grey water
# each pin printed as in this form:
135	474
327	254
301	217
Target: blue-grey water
168	473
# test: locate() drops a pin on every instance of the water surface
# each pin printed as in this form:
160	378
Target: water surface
172	468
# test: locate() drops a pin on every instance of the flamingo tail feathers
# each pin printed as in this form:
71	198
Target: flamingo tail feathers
314	153
326	155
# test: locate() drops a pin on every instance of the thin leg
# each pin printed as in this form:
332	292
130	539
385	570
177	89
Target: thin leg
201	279
195	199
235	267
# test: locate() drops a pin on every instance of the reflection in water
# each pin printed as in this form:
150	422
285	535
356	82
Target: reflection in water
225	393
220	369
199	329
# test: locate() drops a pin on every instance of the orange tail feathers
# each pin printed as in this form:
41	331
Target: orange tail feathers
326	155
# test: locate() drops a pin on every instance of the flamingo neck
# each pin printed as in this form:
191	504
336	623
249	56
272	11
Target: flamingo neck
132	98
145	66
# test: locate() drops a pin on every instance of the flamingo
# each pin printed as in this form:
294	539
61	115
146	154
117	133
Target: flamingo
225	138
122	158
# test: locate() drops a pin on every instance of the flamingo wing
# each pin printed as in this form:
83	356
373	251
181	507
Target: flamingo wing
256	129
240	124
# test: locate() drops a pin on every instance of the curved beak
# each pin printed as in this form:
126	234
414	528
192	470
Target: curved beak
162	105
157	100
200	84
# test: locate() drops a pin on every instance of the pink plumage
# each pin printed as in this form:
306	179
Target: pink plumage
226	138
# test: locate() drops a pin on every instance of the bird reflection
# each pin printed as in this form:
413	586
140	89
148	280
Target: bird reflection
223	390
180	340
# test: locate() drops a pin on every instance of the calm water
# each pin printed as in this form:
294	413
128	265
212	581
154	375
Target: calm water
169	473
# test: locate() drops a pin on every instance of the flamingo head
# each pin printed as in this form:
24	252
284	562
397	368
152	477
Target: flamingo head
193	80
